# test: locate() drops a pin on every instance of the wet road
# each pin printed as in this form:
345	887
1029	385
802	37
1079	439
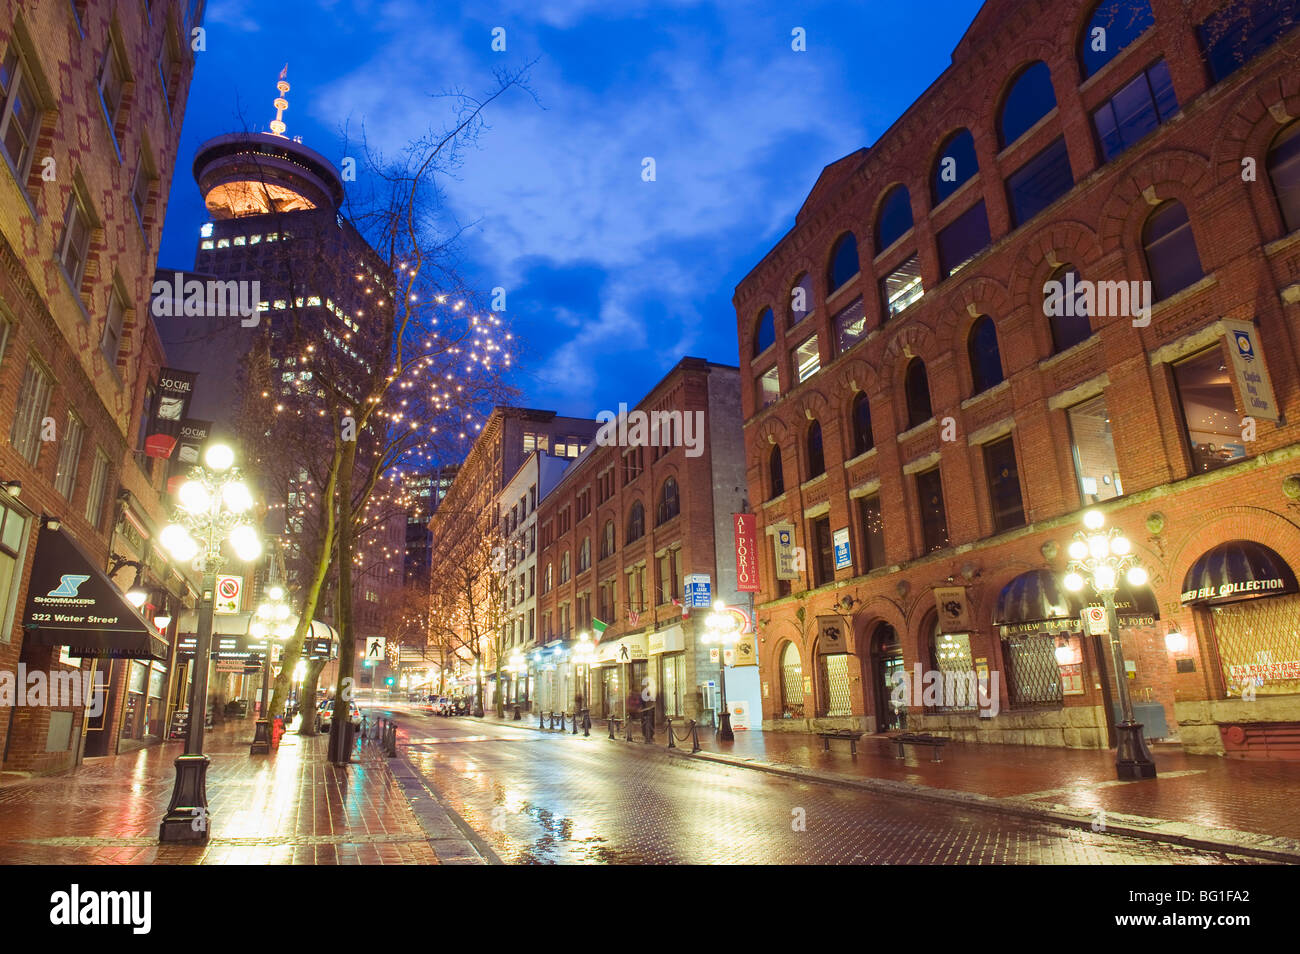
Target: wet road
542	798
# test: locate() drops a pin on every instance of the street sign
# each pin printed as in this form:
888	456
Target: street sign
697	590
840	539
228	595
1095	619
374	648
713	654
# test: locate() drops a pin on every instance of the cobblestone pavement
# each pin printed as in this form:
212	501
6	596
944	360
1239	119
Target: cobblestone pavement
540	798
292	807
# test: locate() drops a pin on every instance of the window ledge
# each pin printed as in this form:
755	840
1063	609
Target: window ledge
776	500
840	292
1192	290
1054	359
1028	133
952	199
919	429
854	461
1282	244
895	244
986	394
813	481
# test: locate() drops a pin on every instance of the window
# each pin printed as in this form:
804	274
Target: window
1004	484
33	401
902	286
916	387
764	332
112	87
1138	107
1114	25
894	219
140	192
1029	99
768	388
1039	182
850	324
564	567
1094	451
669	502
670	569
824	552
98	485
873	533
20	114
75	243
844	262
1170	248
635	522
775	473
65	476
1067	313
13	528
1238	33
1210	417
584	555
791	683
934	522
607	540
985	359
548	579
111	343
169	72
802	302
964	238
806	359
954	166
1283	165
863	439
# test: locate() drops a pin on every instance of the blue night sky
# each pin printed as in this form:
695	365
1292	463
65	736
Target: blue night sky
611	280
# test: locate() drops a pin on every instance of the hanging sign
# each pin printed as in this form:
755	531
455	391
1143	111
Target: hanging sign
745	532
954	610
1253	381
783	541
171	401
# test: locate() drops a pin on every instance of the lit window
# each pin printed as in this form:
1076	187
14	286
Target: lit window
223	243
850	324
207	244
806	359
1210	416
769	388
1094	451
239	240
901	287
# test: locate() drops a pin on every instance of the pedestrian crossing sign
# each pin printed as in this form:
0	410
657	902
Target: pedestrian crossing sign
375	648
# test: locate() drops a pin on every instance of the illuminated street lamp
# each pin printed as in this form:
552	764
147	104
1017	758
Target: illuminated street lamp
213	507
273	619
721	630
1097	558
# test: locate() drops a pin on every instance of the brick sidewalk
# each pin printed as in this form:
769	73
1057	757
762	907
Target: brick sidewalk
291	807
1196	799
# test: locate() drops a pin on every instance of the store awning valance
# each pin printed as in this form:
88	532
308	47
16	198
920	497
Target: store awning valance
1237	570
72	602
1034	600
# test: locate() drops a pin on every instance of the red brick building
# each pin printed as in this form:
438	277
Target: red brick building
915	382
91	102
617	538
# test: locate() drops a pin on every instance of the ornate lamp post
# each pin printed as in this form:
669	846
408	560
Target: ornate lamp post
1097	558
273	619
721	631
213	510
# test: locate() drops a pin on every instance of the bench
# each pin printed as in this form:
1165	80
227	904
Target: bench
841	734
936	743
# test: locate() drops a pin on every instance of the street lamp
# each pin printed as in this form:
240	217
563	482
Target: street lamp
1097	558
273	619
721	631
213	510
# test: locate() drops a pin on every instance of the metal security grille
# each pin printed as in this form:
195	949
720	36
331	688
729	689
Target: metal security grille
952	660
835	684
1259	645
1033	675
791	683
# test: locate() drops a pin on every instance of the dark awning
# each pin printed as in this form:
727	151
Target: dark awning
1035	598
1237	570
1133	602
71	602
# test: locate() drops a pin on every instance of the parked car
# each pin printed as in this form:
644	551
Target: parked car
325	715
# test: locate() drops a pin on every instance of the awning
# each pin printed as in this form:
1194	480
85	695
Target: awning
71	602
1237	570
1035	600
230	637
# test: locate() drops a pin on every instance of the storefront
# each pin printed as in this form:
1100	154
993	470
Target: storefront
668	666
621	669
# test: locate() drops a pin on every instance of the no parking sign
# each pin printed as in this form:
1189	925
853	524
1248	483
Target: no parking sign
230	590
1094	617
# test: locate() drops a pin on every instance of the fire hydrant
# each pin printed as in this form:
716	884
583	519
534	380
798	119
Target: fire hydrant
277	730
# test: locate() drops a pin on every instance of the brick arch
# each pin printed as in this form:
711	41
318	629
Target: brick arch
989	296
1250	132
1173	173
842	224
813	402
879	609
856	375
1274	530
897	173
1067	242
915	337
1025	52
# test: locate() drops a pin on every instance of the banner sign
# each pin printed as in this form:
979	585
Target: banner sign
783	541
1252	375
171	402
697	590
746	539
843	559
189	450
954	610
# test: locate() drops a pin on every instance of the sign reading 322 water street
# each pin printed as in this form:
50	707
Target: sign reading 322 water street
1252	375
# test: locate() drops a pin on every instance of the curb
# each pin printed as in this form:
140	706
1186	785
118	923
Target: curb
452	839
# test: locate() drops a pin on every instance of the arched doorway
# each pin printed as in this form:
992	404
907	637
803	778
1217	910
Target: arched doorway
791	683
886	661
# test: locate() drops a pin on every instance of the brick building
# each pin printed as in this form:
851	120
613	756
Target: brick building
915	382
617	537
91	102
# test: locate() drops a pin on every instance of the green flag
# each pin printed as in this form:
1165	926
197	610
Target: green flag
598	628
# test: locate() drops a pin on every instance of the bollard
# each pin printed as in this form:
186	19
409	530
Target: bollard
517	715
561	720
648	726
669	723
575	721
612	722
541	719
695	736
629	730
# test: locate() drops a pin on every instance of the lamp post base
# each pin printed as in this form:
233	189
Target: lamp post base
724	728
1133	761
187	818
261	739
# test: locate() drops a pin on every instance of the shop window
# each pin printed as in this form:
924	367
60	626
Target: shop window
850	324
1033	673
806	359
1068	314
863	439
1004	484
950	656
802	303
1029	99
955	165
1039	182
764	332
791	683
1236	34
776	473
934	520
1170	247
901	287
1093	447
873	533
916	387
1138	107
767	388
964	238
834	677
894	219
844	262
1210	418
673	680
982	351
1259	645
1115	24
1284	173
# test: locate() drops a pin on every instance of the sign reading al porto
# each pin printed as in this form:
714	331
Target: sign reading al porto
1223	591
746	538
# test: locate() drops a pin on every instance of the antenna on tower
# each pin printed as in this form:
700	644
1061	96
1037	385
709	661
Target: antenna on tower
281	104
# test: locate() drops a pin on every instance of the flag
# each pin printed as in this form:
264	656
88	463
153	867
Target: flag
686	610
598	628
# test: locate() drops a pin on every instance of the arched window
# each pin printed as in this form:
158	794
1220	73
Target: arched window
863	439
1284	172
985	359
548	579
1170	247
607	540
802	302
564	567
635	522
764	332
1029	99
1114	25
916	388
669	502
954	166
844	261
895	217
776	473
816	456
1066	308
791	683
584	555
